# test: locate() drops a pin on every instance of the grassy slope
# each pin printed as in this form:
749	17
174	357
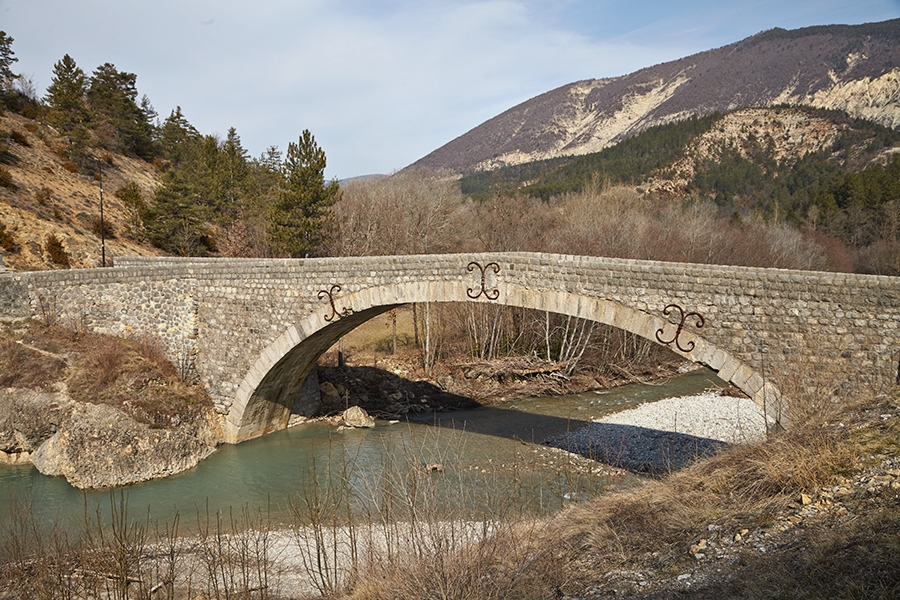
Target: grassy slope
47	197
131	375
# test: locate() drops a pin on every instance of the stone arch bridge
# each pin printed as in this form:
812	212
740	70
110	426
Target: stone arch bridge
252	329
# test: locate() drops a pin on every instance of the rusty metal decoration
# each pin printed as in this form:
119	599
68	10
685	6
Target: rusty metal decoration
346	312
684	316
489	294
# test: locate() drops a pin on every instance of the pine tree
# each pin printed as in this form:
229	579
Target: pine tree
66	96
7	58
299	217
175	220
177	135
124	125
235	172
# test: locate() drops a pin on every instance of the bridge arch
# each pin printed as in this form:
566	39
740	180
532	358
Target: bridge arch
263	399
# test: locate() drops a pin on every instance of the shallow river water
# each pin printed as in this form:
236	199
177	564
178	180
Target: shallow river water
488	450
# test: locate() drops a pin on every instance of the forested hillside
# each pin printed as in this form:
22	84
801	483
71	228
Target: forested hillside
852	68
787	187
168	187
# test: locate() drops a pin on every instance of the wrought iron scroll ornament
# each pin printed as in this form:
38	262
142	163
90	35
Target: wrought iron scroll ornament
346	312
659	332
489	294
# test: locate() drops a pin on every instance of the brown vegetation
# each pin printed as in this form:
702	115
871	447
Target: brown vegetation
416	212
133	375
49	195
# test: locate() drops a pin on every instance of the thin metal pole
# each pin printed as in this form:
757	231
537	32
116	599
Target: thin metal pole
102	226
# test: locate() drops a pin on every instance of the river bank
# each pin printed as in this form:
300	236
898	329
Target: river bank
474	476
736	516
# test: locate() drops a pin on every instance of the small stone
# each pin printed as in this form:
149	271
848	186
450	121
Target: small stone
683	576
738	537
805	499
895	485
698	547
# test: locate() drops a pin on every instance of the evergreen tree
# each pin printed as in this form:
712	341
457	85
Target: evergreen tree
7	58
66	99
235	172
7	77
175	221
299	215
177	136
66	95
122	124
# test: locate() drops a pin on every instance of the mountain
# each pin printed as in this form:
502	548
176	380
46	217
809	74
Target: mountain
852	68
746	154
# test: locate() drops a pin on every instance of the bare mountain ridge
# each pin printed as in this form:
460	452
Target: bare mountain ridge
853	68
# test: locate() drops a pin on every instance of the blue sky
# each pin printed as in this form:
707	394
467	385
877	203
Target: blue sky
380	83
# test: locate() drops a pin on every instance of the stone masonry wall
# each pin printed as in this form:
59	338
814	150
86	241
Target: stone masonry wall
222	316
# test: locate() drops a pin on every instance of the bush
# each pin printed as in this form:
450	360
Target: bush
55	251
6	240
105	228
6	179
42	195
19	138
70	166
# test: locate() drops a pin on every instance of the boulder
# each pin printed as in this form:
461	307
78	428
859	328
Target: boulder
28	418
357	417
331	397
100	446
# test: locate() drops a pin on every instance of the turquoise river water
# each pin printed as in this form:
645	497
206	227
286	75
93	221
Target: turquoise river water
487	449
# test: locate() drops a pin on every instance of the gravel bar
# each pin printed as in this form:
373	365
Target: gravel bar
669	434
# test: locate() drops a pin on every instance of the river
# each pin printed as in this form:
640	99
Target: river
487	449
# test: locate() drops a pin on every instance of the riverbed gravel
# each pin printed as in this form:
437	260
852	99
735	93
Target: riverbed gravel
668	434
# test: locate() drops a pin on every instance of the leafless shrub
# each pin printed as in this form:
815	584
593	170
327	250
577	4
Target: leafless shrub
407	213
234	555
47	308
55	250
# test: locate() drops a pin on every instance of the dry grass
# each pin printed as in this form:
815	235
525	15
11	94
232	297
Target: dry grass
651	529
512	563
131	374
24	367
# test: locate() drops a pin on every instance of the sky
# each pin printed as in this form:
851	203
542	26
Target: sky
380	83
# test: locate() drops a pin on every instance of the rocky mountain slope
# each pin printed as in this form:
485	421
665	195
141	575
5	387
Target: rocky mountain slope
783	134
855	69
